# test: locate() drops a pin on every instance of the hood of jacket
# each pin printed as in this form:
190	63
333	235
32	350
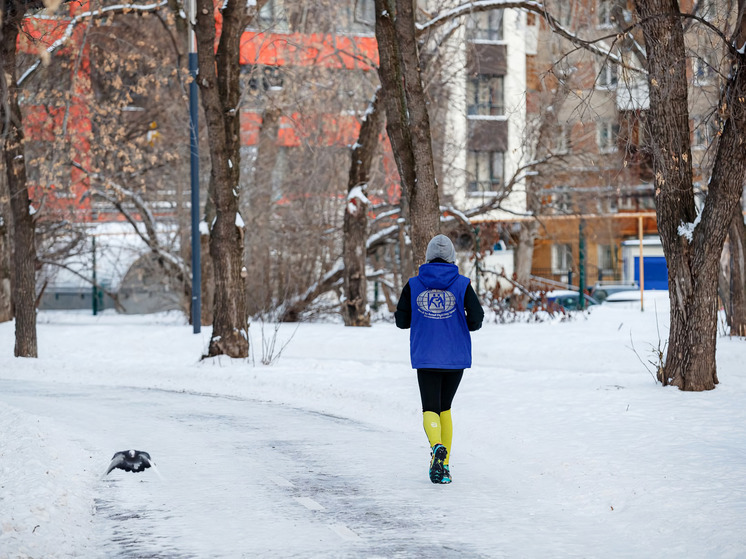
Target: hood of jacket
438	275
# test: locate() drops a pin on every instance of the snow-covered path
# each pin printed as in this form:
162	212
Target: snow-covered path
564	446
235	473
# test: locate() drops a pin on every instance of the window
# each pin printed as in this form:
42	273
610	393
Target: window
259	79
608	135
603	11
487	26
647	202
705	68
485	96
272	16
608	76
704	132
365	15
563	139
39	167
561	258
485	171
564	13
606	258
279	172
356	16
707	9
626	203
562	200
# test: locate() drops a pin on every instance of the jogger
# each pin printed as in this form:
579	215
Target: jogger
441	309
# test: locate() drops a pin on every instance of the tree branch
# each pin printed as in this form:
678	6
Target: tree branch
114	296
118	9
150	236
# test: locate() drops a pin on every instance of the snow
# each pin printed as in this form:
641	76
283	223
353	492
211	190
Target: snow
118	246
564	445
686	230
358	193
356	197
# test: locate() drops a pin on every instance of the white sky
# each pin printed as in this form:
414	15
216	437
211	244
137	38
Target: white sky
564	445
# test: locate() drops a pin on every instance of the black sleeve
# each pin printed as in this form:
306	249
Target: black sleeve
403	314
474	311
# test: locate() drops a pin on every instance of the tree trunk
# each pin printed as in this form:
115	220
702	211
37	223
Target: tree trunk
724	281
692	258
737	283
24	251
258	262
524	254
355	309
208	281
6	308
407	120
218	81
524	257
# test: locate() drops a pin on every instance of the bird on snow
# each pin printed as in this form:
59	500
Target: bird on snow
130	461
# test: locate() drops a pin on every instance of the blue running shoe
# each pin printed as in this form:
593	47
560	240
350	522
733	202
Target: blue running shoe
436	463
446	474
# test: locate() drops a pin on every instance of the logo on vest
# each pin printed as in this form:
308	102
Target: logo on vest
436	303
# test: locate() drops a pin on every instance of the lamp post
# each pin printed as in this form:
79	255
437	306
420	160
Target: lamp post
642	264
94	288
581	264
194	153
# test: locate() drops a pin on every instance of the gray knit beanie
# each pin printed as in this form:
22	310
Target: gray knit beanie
440	247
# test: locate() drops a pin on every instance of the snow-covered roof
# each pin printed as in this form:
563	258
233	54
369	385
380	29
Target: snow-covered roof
117	248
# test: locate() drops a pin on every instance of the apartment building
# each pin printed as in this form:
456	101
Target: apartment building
530	95
510	92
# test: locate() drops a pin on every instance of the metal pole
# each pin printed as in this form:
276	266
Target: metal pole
581	264
194	151
94	290
642	264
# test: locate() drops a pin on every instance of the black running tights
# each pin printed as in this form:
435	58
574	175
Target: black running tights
438	387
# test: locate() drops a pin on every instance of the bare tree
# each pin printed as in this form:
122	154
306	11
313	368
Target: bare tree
114	112
6	309
692	240
11	123
407	119
732	281
355	311
259	211
220	93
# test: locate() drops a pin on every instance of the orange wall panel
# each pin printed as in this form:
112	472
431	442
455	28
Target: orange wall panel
316	49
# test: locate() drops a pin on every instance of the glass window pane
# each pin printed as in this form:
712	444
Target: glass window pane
484	171
485	95
488	26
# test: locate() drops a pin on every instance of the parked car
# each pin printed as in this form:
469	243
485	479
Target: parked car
601	290
568	300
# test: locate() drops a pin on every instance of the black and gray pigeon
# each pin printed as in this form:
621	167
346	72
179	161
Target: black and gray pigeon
130	461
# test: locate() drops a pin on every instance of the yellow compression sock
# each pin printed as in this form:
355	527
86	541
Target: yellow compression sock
431	422
446	432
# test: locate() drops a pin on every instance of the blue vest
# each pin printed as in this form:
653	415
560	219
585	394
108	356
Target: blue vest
439	337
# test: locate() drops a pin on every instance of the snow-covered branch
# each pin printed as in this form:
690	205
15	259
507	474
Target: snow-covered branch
596	46
113	296
117	9
116	194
